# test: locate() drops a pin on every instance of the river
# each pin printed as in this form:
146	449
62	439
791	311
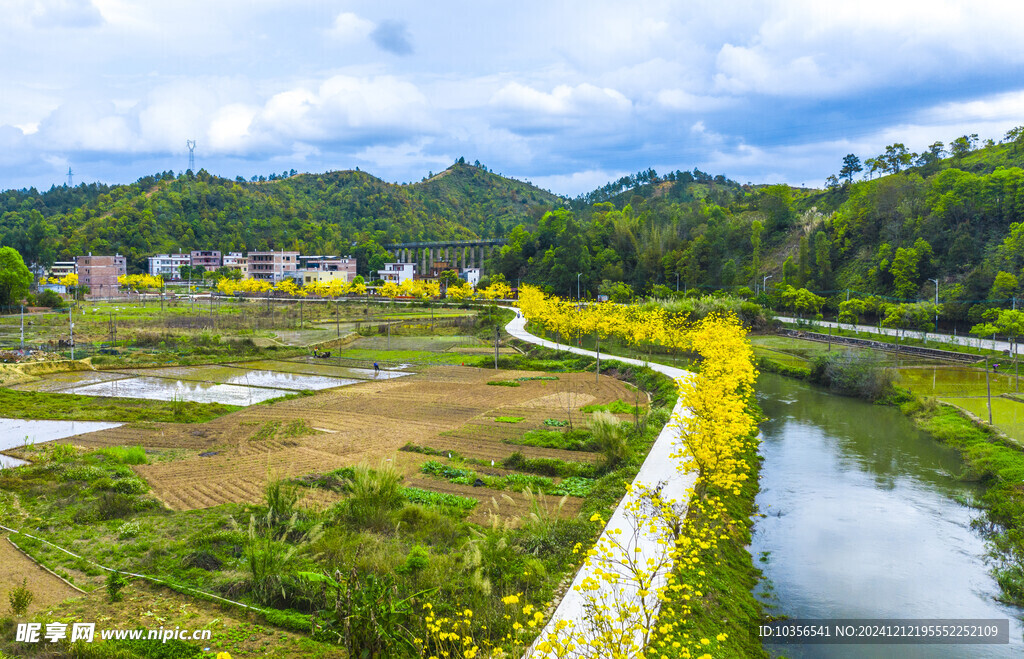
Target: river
863	521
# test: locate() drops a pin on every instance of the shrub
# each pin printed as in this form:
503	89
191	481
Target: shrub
114	505
417	560
128	530
115	582
20	598
851	374
50	299
129	486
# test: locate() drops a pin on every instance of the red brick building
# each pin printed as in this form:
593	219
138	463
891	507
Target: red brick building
100	273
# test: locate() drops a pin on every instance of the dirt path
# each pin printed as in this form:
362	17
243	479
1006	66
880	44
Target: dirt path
47	589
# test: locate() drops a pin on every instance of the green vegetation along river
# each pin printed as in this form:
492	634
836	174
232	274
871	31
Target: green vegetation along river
863	521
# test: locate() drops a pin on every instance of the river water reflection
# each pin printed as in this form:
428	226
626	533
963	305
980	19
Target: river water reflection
863	522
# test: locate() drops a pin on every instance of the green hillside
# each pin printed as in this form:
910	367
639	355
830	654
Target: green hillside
952	219
335	212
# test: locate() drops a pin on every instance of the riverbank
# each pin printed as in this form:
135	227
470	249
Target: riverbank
990	458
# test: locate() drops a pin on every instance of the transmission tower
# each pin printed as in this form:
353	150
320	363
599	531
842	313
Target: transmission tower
70	184
191	155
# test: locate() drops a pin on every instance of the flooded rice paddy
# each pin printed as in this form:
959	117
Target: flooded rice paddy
231	384
21	432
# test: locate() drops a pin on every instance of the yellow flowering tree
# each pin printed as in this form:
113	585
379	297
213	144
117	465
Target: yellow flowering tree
389	289
624	595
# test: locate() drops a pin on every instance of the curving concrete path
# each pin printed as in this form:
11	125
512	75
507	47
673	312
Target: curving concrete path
640	543
951	339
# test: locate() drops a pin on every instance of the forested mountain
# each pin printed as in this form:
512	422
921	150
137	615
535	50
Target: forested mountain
336	212
929	216
954	219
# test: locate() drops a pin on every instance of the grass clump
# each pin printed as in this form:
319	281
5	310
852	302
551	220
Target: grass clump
571	440
611	439
503	383
509	419
135	455
373	495
615	407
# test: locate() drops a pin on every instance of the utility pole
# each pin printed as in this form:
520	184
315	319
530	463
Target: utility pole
23	327
597	370
937	303
71	324
337	317
578	285
497	336
988	391
764	283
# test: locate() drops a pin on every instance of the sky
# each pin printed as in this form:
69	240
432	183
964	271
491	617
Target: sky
568	95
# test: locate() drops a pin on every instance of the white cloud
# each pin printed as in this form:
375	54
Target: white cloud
683	101
403	155
229	130
577	182
562	100
349	27
810	48
1008	107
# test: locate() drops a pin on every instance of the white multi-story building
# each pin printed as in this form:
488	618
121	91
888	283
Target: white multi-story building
397	272
61	269
470	275
235	261
168	266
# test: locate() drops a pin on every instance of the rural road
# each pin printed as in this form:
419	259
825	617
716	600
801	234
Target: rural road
642	543
971	341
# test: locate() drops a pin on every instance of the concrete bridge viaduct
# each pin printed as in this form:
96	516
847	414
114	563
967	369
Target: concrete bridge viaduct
458	253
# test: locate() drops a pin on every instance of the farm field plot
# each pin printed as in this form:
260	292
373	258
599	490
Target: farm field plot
243	375
362	423
167	389
56	382
47	589
236	384
22	432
